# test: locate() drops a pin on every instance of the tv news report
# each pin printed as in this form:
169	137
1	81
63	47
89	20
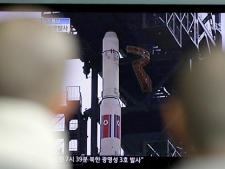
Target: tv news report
129	59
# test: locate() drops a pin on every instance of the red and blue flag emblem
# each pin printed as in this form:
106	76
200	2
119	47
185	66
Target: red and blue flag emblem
106	126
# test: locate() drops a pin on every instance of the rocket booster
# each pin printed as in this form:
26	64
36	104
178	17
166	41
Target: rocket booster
110	109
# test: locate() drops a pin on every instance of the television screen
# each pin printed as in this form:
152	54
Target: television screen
130	57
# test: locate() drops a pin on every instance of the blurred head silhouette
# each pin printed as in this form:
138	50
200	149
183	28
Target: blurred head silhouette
197	110
32	67
32	62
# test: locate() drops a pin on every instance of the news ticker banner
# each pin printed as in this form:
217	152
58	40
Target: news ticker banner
101	159
113	161
57	24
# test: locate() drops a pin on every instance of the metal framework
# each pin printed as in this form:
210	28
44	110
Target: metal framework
194	25
161	149
59	124
143	78
197	26
203	30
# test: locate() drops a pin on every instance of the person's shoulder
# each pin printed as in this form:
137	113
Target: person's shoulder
201	162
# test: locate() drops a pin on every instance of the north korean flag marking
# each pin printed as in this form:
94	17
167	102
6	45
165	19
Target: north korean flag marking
106	126
117	126
105	122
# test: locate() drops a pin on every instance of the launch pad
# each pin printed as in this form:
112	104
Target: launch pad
166	39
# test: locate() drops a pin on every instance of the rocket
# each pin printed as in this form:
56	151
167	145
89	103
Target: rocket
110	109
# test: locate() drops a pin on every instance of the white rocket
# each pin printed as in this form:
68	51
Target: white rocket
110	109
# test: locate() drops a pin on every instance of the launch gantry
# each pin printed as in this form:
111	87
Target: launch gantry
202	29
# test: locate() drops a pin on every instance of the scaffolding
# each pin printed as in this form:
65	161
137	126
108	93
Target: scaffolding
201	28
161	149
71	124
144	80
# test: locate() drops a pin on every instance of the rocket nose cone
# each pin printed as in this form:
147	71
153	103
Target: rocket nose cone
110	34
